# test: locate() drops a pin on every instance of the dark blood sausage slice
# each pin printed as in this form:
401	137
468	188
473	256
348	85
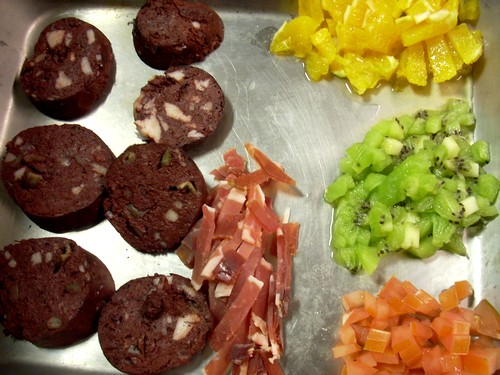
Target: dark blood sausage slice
175	32
70	71
155	196
154	323
179	108
51	291
55	173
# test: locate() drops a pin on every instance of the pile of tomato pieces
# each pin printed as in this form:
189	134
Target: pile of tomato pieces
405	330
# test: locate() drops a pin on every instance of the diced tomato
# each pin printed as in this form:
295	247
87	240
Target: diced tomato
355	315
358	368
387	357
343	350
488	319
347	334
377	340
421	330
481	361
353	300
464	289
370	303
429	306
361	333
427	339
449	298
367	359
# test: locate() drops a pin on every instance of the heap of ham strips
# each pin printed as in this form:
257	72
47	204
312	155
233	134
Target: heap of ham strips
242	251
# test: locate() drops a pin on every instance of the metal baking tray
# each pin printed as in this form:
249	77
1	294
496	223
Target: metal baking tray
270	102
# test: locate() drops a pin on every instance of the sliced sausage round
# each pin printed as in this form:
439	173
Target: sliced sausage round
154	323
51	291
71	69
176	32
155	196
55	173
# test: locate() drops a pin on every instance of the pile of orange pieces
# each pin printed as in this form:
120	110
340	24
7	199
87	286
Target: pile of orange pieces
369	41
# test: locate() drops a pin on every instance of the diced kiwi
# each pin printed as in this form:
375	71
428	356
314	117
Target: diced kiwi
480	152
413	184
339	188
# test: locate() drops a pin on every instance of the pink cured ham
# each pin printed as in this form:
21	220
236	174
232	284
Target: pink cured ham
227	327
230	213
274	171
203	244
244	252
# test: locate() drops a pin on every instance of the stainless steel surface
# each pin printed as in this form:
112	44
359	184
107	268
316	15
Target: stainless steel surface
304	126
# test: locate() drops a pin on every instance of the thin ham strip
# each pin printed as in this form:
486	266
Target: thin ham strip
220	363
227	327
257	177
243	251
274	171
203	245
283	274
230	213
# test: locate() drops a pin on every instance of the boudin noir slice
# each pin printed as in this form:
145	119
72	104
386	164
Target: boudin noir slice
179	108
71	69
55	173
155	195
154	323
51	291
175	32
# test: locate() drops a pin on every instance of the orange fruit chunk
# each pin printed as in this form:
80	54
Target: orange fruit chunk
368	41
440	59
468	44
412	65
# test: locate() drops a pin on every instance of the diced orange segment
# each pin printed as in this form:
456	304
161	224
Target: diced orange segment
413	65
367	41
316	66
366	72
294	37
440	59
355	13
311	8
336	8
469	44
436	24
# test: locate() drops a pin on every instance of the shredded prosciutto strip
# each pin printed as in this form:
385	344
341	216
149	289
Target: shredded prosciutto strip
243	251
405	330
